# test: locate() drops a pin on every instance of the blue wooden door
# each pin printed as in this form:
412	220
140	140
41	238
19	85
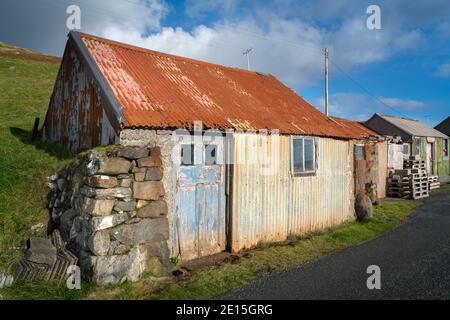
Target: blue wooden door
199	200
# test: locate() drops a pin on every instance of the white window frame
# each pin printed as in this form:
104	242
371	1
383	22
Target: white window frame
303	173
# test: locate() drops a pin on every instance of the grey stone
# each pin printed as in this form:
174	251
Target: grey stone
121	206
101	181
145	231
117	268
41	250
61	184
363	207
121	249
157	257
99	243
154	174
66	222
97	207
148	190
133	153
123	176
153	210
113	193
6	280
100	223
113	166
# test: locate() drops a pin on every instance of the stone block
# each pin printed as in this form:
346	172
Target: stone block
133	153
113	166
152	161
154	174
155	152
121	206
97	207
100	223
66	222
148	190
153	210
139	176
99	243
41	250
101	181
126	183
145	231
119	192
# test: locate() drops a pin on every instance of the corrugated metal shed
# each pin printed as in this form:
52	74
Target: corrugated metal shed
411	126
160	90
269	203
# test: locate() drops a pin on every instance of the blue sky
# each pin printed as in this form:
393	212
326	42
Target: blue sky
401	69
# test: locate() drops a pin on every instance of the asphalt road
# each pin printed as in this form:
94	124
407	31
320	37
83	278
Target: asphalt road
414	260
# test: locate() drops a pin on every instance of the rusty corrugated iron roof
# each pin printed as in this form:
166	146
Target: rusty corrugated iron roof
161	90
356	128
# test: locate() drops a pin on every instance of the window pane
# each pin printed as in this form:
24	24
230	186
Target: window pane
417	148
298	155
406	149
309	155
210	154
187	154
359	152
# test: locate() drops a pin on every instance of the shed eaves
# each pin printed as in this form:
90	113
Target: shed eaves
160	90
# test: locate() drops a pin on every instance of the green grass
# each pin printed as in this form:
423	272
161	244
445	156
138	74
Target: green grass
211	281
26	87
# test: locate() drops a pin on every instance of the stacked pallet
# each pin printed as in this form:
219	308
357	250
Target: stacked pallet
433	183
411	182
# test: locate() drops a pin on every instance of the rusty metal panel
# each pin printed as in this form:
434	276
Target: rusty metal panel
76	118
161	90
269	204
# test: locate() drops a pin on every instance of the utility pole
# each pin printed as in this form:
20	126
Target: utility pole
326	53
247	53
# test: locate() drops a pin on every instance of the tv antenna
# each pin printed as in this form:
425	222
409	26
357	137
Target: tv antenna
247	53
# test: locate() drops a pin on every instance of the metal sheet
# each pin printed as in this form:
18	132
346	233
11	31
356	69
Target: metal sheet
161	90
76	118
269	204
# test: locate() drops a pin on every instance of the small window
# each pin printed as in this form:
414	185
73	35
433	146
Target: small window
303	156
417	146
445	151
187	154
359	152
406	149
210	154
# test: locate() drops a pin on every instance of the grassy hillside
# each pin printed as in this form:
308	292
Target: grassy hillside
26	83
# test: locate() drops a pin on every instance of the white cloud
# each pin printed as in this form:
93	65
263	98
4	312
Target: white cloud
443	70
407	105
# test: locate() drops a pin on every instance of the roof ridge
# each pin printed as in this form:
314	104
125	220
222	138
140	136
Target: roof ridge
169	55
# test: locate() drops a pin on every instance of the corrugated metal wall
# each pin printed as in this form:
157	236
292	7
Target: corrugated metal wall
76	118
269	203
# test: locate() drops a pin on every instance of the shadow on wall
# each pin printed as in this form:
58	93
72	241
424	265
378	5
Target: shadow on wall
51	149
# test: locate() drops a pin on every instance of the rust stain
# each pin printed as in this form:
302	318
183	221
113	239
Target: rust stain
161	90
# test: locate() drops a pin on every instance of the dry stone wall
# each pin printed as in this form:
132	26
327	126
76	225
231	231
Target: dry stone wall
111	211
